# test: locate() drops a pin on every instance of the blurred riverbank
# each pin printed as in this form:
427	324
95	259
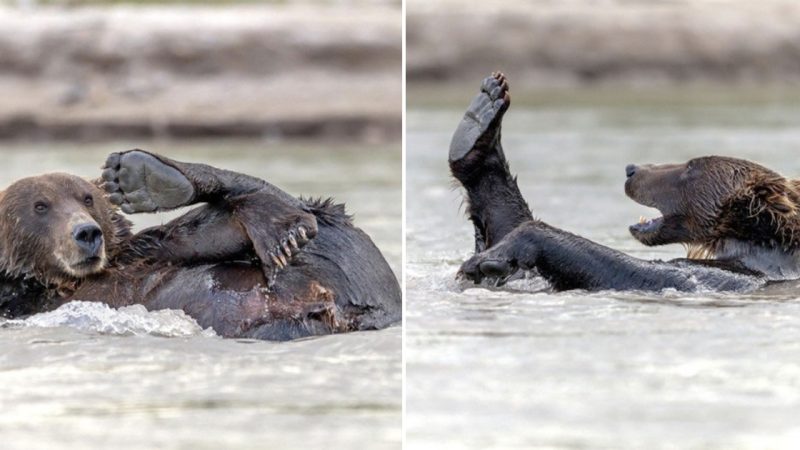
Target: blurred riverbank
627	43
267	70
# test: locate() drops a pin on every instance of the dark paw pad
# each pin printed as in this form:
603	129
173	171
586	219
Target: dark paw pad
140	182
481	122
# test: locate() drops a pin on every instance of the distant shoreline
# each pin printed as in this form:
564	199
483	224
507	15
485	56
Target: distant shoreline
174	71
631	43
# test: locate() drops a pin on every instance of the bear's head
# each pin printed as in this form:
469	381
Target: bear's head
57	228
712	201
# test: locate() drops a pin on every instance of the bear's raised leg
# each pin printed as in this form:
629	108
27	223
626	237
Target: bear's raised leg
477	161
244	214
140	181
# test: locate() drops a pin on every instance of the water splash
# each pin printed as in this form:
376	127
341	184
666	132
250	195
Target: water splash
129	320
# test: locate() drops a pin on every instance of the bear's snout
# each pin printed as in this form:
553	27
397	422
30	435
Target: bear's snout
89	238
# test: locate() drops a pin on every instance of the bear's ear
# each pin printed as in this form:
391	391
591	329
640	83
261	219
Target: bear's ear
776	196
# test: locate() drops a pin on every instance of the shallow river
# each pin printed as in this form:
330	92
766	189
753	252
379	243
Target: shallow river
86	376
526	367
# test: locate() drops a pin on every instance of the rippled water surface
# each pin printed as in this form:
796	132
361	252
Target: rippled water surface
87	376
526	367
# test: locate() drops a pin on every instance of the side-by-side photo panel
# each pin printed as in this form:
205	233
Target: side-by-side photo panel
201	224
617	267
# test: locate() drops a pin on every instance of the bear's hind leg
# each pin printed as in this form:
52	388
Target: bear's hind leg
477	161
243	213
140	182
480	128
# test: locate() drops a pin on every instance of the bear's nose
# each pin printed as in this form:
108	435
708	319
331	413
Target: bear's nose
630	169
89	237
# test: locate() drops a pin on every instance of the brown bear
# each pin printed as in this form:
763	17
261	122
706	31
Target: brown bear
740	221
252	261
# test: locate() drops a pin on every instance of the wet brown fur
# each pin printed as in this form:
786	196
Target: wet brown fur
27	239
728	198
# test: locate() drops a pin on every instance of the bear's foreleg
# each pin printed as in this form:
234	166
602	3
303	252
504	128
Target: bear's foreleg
569	261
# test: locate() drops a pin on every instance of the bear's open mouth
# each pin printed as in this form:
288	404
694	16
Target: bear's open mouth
646	226
648	231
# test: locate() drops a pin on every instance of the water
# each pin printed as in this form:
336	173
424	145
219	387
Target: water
526	367
87	376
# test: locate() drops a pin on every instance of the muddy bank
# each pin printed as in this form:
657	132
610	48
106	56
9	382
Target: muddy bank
623	42
274	71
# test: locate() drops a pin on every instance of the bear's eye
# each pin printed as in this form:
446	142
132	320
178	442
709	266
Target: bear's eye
40	207
88	200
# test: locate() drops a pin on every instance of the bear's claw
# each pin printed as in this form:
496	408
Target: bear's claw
137	182
282	254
